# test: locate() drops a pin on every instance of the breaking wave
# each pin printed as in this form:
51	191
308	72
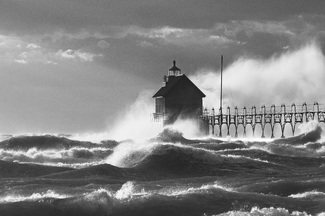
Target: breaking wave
304	145
54	151
11	198
169	175
315	195
134	199
255	211
73	157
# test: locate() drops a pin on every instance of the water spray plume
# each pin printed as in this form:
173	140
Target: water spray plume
188	127
295	76
292	77
133	122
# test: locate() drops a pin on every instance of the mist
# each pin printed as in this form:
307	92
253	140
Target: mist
136	122
291	77
295	76
132	122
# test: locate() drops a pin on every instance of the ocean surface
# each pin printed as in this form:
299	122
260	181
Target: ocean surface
166	175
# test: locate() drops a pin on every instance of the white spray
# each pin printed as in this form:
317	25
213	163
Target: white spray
292	77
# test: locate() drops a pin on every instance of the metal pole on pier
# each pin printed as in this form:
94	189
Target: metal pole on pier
221	83
221	117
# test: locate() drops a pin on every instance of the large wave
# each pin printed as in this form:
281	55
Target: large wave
160	159
168	154
54	151
310	136
304	145
271	211
171	135
133	199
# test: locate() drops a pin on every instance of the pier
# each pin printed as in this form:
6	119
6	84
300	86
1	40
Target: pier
284	116
180	98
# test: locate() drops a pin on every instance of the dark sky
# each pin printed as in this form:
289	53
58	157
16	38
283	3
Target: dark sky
72	66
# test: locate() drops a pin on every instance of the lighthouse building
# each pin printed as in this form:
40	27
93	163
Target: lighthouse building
179	97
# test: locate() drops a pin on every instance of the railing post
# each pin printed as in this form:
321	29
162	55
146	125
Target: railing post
228	121
263	120
253	113
272	121
220	122
304	109
283	120
244	113
293	118
206	121
213	121
317	110
236	122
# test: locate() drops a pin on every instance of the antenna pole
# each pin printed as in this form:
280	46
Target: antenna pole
221	116
221	84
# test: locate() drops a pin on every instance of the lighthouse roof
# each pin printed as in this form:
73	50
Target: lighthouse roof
174	68
182	80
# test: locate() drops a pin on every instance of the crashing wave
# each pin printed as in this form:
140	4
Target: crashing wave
10	198
255	211
314	195
311	136
178	159
171	135
56	157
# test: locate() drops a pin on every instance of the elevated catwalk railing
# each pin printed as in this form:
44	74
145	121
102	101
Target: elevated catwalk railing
282	115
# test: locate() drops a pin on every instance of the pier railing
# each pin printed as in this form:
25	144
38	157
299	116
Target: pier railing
282	115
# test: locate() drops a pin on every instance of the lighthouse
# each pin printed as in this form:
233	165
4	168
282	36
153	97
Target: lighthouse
178	98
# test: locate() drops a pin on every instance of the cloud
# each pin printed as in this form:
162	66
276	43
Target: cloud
81	34
42	56
176	36
20	61
75	15
165	34
18	50
103	44
168	22
258	36
32	56
8	43
33	46
250	27
15	49
70	54
298	29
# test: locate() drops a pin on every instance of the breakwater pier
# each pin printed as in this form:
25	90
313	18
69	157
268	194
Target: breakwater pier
284	116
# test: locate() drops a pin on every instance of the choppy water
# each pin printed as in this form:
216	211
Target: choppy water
166	175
